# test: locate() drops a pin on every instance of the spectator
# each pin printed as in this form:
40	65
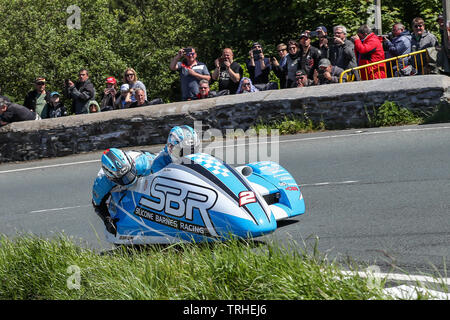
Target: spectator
140	99
309	55
421	39
327	73
246	86
227	71
94	107
130	77
278	67
292	62
368	49
322	42
11	112
124	100
37	99
400	45
81	92
191	72
301	80
109	95
205	91
342	50
55	107
258	66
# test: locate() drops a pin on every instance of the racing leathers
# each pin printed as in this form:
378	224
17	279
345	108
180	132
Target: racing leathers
103	185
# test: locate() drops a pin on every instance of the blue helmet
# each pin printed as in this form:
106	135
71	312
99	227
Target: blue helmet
119	167
182	141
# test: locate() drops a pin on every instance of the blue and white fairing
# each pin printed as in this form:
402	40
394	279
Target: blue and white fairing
203	199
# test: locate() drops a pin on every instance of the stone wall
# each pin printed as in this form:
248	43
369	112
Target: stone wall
335	104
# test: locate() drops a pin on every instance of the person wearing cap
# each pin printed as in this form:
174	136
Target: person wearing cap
80	92
327	73
322	43
12	112
309	55
257	65
37	99
55	107
109	95
124	99
301	80
369	49
191	72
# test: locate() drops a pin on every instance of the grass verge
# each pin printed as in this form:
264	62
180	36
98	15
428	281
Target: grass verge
34	268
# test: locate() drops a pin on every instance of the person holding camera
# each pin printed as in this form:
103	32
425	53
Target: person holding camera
191	72
80	92
227	71
130	77
110	94
258	66
327	73
278	66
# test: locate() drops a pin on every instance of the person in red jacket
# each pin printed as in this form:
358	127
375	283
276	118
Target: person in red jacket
369	49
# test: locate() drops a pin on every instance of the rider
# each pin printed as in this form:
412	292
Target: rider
121	168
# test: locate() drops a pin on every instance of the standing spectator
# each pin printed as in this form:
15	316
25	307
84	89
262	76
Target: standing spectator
246	86
421	39
342	50
94	107
400	45
369	49
191	72
292	60
130	77
11	112
81	92
278	67
37	99
258	66
55	107
309	55
322	43
124	100
327	73
301	80
109	95
227	71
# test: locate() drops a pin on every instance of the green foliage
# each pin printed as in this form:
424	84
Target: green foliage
391	114
145	35
290	125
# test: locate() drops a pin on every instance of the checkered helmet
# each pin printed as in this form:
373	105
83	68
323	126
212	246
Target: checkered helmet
182	141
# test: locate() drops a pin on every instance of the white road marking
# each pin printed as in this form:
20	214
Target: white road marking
404	292
58	209
330	183
399	277
353	134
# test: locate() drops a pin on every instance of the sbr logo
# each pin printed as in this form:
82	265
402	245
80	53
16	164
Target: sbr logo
178	198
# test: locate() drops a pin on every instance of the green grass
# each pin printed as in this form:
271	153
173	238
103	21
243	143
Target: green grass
34	268
388	114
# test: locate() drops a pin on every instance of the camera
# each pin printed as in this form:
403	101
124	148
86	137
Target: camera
187	50
313	34
66	83
256	53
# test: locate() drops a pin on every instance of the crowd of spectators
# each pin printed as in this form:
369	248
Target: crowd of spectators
315	58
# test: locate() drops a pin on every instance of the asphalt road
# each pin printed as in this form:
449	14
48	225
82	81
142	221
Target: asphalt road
374	196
